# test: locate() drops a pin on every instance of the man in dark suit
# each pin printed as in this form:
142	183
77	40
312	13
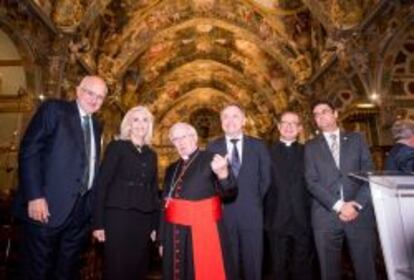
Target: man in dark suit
243	216
57	162
401	156
287	206
341	206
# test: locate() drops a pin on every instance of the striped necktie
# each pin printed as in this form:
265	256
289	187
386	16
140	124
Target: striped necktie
334	147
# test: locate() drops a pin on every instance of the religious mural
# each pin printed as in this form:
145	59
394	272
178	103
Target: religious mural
186	59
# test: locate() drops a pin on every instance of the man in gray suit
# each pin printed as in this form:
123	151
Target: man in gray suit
243	217
341	206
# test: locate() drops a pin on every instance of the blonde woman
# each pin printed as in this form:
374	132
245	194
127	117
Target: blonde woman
126	206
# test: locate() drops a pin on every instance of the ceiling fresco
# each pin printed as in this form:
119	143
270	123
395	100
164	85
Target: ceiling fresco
188	58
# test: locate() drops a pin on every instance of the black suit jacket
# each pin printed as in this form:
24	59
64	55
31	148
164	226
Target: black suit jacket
253	181
127	180
52	160
324	179
287	204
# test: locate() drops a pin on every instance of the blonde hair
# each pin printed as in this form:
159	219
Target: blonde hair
125	129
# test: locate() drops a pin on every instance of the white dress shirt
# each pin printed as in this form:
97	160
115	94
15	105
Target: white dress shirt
92	156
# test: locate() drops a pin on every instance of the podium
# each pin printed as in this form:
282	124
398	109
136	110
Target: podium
393	198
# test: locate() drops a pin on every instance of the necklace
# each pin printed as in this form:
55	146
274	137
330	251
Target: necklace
138	146
175	180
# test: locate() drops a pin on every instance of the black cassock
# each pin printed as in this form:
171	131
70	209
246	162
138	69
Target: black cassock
192	180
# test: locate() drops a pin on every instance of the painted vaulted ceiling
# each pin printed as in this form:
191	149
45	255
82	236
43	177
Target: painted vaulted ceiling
185	59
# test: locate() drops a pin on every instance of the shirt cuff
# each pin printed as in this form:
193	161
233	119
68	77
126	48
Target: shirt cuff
338	205
358	207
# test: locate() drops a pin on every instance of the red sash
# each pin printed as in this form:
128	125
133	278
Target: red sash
202	216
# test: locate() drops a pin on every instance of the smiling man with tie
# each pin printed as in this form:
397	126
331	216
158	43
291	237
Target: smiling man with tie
243	217
57	163
341	206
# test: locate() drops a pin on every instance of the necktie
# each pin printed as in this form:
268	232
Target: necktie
86	127
334	147
235	158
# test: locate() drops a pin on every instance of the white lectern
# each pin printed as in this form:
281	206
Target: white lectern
393	198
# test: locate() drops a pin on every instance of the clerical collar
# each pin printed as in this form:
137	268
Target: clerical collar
287	143
190	156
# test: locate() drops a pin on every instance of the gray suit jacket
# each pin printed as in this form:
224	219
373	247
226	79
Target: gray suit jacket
324	179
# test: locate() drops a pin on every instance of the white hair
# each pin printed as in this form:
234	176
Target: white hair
191	131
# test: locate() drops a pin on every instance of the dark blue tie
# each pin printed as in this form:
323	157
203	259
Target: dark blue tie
86	127
235	158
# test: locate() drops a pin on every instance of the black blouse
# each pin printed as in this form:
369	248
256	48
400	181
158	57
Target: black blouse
127	180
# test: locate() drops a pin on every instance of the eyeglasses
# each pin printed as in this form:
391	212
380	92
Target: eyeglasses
323	112
92	94
293	124
179	138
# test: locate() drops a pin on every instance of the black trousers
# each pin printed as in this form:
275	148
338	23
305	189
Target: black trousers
293	256
53	253
127	248
247	250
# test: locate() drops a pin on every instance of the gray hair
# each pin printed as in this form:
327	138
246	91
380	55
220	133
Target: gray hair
93	79
402	129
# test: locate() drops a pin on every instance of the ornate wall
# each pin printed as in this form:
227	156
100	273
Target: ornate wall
186	59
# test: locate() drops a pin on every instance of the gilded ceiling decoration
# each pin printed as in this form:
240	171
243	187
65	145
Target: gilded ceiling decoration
186	59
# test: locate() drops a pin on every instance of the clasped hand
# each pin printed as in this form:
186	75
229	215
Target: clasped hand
349	211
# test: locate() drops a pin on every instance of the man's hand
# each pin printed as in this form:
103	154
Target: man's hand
38	210
160	250
219	165
349	211
99	235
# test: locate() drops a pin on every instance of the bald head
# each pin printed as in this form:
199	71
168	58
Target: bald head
91	93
